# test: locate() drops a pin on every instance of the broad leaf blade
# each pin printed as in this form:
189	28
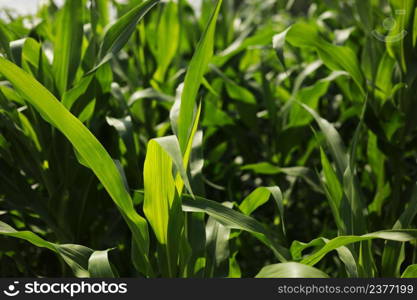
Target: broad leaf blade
233	219
159	189
393	235
76	256
86	144
194	77
410	272
118	34
99	265
67	45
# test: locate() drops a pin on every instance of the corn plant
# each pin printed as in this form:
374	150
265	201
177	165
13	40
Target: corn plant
209	139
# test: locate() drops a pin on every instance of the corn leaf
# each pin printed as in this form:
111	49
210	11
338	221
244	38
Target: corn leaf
159	189
67	45
217	247
233	219
162	204
168	38
99	265
88	147
194	77
259	197
343	252
81	259
410	272
404	235
336	58
393	255
333	139
290	270
118	34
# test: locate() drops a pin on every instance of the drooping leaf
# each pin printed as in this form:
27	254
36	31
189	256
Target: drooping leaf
404	235
89	148
259	197
290	270
337	58
233	219
343	252
99	265
83	261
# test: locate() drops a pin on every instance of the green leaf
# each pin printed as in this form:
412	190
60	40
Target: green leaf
239	93
67	44
118	34
83	261
99	265
193	78
103	11
410	272
364	9
76	256
71	96
278	42
290	270
16	48
310	96
264	168
334	193
384	75
88	147
5	40
344	253
334	141
348	207
182	177
168	31
404	235
259	197
159	189
233	219
88	111
336	58
397	39
32	238
254	200
262	37
351	211
217	247
393	255
162	204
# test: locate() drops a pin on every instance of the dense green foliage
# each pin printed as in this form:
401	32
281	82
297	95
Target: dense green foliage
267	138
